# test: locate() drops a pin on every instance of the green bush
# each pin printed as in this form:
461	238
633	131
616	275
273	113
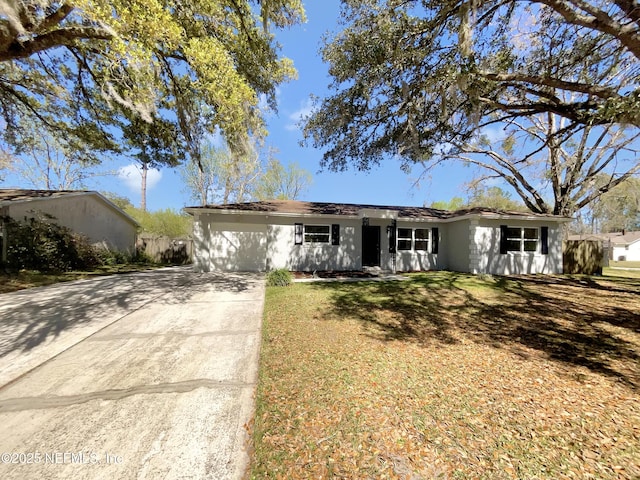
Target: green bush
112	257
279	278
143	258
38	243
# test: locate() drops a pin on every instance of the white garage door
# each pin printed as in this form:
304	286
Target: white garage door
238	247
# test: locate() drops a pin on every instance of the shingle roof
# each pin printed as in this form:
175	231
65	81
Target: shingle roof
17	195
21	194
351	209
617	238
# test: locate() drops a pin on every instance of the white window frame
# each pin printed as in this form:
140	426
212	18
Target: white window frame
413	240
404	239
316	242
427	240
522	240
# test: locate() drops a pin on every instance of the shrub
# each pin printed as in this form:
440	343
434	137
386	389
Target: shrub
112	257
38	243
143	258
279	278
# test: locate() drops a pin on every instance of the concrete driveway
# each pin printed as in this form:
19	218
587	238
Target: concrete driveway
149	375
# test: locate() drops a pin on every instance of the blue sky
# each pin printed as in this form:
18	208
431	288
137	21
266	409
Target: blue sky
385	185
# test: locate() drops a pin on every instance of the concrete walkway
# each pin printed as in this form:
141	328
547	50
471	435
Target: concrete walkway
148	375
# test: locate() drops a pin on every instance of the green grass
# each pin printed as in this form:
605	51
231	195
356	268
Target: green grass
23	279
450	376
624	264
612	272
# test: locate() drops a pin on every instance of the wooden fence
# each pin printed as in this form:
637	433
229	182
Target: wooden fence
582	256
175	251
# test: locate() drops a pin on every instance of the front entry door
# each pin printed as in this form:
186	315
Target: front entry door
370	246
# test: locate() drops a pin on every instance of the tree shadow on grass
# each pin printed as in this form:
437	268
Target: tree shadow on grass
592	323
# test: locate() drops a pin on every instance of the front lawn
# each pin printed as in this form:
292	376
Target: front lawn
449	376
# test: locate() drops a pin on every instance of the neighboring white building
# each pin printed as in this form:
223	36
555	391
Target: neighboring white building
618	246
308	236
84	212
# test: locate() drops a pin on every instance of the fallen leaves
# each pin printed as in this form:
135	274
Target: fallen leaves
350	394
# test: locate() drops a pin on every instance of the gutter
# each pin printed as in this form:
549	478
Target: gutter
368	213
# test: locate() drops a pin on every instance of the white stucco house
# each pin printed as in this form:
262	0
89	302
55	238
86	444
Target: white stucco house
308	236
84	212
618	246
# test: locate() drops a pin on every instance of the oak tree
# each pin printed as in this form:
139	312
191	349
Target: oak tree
423	81
72	66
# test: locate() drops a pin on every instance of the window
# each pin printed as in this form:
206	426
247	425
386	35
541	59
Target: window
317	233
519	239
404	239
417	238
421	239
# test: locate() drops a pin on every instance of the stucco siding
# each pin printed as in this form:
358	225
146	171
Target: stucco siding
417	260
84	214
630	253
284	253
457	246
259	241
488	259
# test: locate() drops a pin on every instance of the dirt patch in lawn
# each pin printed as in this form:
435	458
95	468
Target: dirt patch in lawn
451	376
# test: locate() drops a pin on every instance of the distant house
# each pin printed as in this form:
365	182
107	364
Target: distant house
618	246
307	236
84	212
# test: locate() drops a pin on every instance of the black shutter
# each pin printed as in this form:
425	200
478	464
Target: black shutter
298	234
503	238
544	239
393	233
335	234
435	239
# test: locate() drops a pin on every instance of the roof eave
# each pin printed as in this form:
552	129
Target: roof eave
452	218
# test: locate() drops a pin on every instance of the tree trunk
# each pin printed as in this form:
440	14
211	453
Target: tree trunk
143	189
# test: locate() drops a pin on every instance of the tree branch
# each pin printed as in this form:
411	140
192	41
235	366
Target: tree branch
597	20
68	36
589	89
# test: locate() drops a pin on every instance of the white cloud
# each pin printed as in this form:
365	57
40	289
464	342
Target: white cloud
305	110
494	134
131	175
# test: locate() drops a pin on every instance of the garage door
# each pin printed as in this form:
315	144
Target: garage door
238	247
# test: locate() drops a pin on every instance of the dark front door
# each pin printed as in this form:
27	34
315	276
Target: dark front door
370	246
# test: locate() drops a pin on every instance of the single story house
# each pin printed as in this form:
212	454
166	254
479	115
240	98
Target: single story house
618	246
308	236
84	212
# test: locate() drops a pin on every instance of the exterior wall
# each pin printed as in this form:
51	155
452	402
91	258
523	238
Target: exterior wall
284	253
457	246
412	260
486	257
631	253
85	214
259	242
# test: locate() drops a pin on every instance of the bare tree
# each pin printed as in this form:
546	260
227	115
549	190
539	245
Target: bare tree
50	164
547	153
